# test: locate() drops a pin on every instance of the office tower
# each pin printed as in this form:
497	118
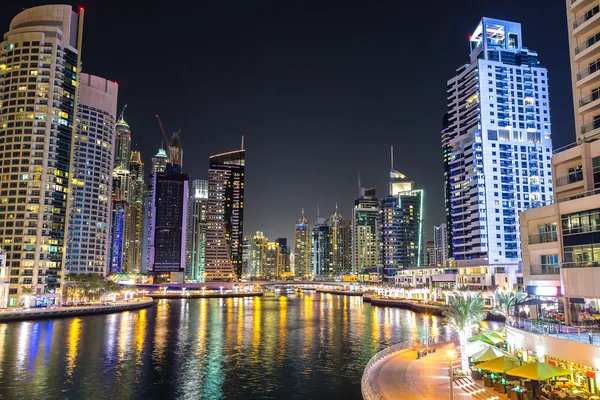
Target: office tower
136	213
284	258
225	215
340	231
258	248
246	258
159	161
430	253
440	242
302	247
119	243
122	142
169	205
4	280
365	231
271	267
497	146
321	266
175	150
584	39
36	149
196	231
401	224
88	237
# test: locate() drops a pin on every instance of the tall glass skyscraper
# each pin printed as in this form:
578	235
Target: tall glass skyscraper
321	251
497	146
225	214
365	231
302	260
136	213
88	240
39	66
195	268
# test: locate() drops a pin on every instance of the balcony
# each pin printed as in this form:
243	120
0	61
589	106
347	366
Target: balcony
590	102
568	179
581	264
588	48
578	5
585	23
544	269
545	237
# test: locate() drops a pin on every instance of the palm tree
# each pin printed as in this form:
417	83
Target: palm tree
464	313
506	304
69	294
27	293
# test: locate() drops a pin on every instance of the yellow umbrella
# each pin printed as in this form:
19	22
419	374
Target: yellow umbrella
500	364
538	371
489	354
487	338
495	335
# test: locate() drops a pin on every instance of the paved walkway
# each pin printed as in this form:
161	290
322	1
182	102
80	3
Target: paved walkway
402	377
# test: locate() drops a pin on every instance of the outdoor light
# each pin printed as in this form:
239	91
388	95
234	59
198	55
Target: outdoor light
451	353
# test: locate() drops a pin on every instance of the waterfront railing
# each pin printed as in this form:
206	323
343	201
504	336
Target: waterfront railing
368	388
584	333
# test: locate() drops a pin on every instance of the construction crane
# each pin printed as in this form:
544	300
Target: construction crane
162	129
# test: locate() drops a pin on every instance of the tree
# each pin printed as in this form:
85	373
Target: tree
27	293
69	293
506	304
464	313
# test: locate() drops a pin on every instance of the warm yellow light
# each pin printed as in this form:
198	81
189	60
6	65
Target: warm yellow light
451	353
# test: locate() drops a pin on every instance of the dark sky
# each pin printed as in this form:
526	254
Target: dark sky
320	90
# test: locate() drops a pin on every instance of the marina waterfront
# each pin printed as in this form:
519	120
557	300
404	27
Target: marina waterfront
296	346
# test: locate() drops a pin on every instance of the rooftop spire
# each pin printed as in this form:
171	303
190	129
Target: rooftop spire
122	116
392	156
242	142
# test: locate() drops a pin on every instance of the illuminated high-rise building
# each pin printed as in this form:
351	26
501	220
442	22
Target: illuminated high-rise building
121	188
169	195
321	264
257	254
88	238
135	216
340	239
159	161
401	224
37	133
497	146
365	231
122	142
440	242
225	214
302	248
195	269
284	266
175	150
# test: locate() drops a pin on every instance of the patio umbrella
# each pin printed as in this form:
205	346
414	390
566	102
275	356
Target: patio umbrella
538	371
489	354
487	338
501	331
500	364
476	347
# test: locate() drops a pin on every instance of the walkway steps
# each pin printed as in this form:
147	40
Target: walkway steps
475	390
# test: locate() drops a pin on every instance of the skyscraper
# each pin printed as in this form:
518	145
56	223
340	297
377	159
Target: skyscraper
340	232
159	161
285	269
136	213
225	214
365	231
497	146
440	243
195	269
302	247
88	238
33	214
169	206
401	224
121	188
122	142
175	150
258	249
321	251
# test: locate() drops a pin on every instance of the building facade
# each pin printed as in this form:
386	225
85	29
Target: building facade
225	215
340	239
159	161
120	234
302	247
321	264
440	243
195	269
36	136
88	237
497	146
365	231
136	213
170	194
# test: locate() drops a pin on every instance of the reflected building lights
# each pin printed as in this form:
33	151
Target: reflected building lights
72	346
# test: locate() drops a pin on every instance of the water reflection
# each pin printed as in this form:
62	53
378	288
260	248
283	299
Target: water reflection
294	347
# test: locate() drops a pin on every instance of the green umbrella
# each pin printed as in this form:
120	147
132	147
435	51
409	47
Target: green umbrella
489	354
538	371
500	364
501	331
487	338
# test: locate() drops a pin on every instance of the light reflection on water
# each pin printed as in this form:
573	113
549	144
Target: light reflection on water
285	347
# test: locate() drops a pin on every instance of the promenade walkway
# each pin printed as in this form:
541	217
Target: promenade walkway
401	376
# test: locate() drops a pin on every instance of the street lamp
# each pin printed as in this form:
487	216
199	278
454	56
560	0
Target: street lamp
451	353
426	318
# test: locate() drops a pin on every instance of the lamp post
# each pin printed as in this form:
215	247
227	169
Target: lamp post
451	353
426	318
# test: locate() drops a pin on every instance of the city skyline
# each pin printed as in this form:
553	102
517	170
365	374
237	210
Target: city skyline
305	123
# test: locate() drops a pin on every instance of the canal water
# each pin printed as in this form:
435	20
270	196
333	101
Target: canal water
289	346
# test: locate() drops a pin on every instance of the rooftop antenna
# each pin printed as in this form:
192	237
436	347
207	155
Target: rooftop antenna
123	113
303	211
392	155
242	142
318	213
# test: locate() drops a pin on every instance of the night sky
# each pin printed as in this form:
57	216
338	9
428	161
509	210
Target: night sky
320	90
